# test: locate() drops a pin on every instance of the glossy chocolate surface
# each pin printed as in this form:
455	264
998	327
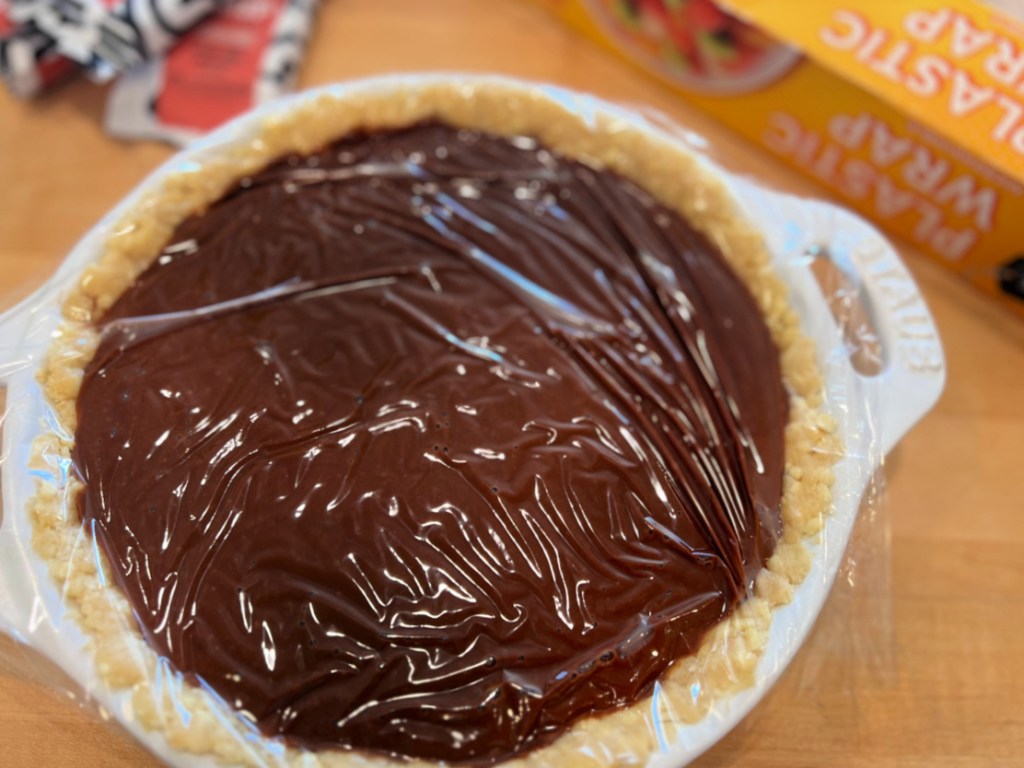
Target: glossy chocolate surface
431	443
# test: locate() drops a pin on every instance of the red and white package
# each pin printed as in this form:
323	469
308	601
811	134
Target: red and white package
245	55
29	60
111	36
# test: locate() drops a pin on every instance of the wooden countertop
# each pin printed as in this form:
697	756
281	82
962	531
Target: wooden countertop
919	663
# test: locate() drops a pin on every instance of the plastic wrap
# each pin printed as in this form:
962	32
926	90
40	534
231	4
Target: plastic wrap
874	344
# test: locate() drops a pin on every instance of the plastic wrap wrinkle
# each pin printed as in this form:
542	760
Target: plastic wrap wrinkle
449	220
532	341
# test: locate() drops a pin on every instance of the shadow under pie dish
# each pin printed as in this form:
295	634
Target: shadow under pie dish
439	422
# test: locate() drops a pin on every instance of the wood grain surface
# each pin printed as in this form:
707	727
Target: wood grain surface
918	658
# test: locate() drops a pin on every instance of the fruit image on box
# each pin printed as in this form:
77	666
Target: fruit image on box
694	43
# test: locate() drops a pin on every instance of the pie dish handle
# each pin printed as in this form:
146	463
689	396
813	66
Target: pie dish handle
25	330
878	313
890	314
26	327
14	325
913	369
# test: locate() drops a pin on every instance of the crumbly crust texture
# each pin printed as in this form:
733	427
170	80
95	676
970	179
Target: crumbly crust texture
191	719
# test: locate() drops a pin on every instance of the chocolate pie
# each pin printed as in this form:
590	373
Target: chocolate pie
441	423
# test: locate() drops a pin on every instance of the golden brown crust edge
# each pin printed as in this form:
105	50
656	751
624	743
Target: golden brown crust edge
726	661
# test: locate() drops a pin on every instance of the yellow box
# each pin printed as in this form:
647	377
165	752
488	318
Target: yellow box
912	111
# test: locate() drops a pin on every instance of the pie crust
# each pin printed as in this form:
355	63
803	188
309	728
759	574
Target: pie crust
192	719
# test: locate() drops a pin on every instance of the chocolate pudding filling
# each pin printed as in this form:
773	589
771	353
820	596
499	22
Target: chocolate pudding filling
431	443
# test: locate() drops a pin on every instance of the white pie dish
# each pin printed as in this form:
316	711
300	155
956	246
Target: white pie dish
872	412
